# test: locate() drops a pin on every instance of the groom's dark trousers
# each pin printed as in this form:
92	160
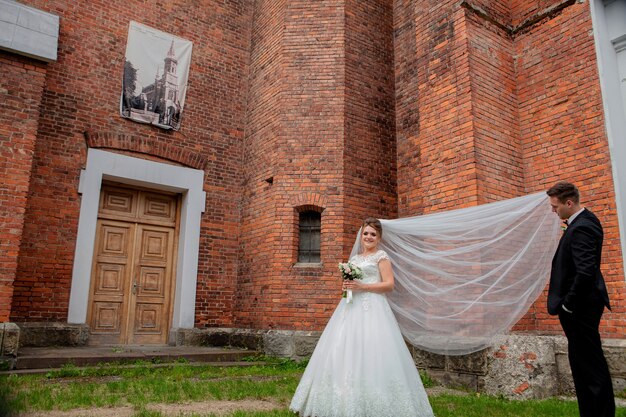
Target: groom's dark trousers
576	283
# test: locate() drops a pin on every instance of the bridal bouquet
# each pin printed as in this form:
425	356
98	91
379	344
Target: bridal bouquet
351	272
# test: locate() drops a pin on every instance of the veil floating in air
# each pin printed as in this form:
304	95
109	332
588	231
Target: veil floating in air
467	275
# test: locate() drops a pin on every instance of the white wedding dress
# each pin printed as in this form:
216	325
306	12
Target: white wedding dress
361	366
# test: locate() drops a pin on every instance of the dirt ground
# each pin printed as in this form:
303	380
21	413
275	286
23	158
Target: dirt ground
180	410
205	407
219	408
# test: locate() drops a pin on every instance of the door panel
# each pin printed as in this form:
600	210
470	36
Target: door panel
131	285
110	278
148	326
152	285
121	203
111	274
107	319
158	208
154	245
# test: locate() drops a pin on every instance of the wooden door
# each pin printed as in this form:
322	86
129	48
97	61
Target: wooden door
133	268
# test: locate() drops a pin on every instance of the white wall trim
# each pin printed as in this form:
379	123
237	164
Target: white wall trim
107	165
28	31
605	33
620	43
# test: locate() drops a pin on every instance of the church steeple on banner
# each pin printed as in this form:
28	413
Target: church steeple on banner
156	70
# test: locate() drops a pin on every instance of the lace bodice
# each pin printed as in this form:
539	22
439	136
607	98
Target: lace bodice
369	266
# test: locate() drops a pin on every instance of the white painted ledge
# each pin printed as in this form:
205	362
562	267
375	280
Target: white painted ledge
28	31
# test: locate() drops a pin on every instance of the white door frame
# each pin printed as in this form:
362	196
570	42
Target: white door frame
609	30
102	165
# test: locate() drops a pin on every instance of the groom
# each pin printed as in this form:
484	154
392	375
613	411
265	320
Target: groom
578	295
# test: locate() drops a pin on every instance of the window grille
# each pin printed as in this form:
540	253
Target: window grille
310	231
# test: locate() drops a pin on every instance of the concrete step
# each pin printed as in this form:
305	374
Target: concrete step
37	371
56	357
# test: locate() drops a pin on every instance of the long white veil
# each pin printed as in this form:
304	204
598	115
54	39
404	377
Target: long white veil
467	275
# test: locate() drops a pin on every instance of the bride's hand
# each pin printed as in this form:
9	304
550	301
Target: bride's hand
353	285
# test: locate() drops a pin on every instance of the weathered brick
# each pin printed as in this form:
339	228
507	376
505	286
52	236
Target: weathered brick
351	108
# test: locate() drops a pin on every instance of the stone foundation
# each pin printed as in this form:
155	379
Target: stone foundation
519	366
516	366
41	334
292	344
526	367
615	352
9	344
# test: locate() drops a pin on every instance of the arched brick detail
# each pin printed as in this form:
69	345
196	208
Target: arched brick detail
309	201
145	145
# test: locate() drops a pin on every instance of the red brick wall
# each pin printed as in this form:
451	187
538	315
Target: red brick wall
527	11
407	63
435	124
457	110
370	154
82	94
263	129
294	135
21	87
563	137
489	110
352	108
320	124
497	147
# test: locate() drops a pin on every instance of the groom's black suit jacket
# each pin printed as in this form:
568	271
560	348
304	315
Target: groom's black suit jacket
576	280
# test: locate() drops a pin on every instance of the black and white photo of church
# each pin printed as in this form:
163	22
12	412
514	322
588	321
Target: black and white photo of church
161	102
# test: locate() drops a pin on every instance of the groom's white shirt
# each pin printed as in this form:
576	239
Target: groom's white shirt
573	216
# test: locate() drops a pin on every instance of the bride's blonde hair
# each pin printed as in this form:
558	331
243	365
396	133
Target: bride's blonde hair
375	223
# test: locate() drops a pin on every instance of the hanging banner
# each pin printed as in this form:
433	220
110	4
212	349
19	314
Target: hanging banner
156	70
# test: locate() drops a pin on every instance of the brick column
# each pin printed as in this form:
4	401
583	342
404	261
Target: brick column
456	107
21	88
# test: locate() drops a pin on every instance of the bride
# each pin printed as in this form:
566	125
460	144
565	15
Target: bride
361	366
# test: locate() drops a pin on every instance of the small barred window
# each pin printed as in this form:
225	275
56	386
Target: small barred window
310	230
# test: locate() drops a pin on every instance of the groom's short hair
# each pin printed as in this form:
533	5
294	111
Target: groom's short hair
564	191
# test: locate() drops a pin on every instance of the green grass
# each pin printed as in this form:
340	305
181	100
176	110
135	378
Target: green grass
276	413
143	385
114	386
484	406
427	381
